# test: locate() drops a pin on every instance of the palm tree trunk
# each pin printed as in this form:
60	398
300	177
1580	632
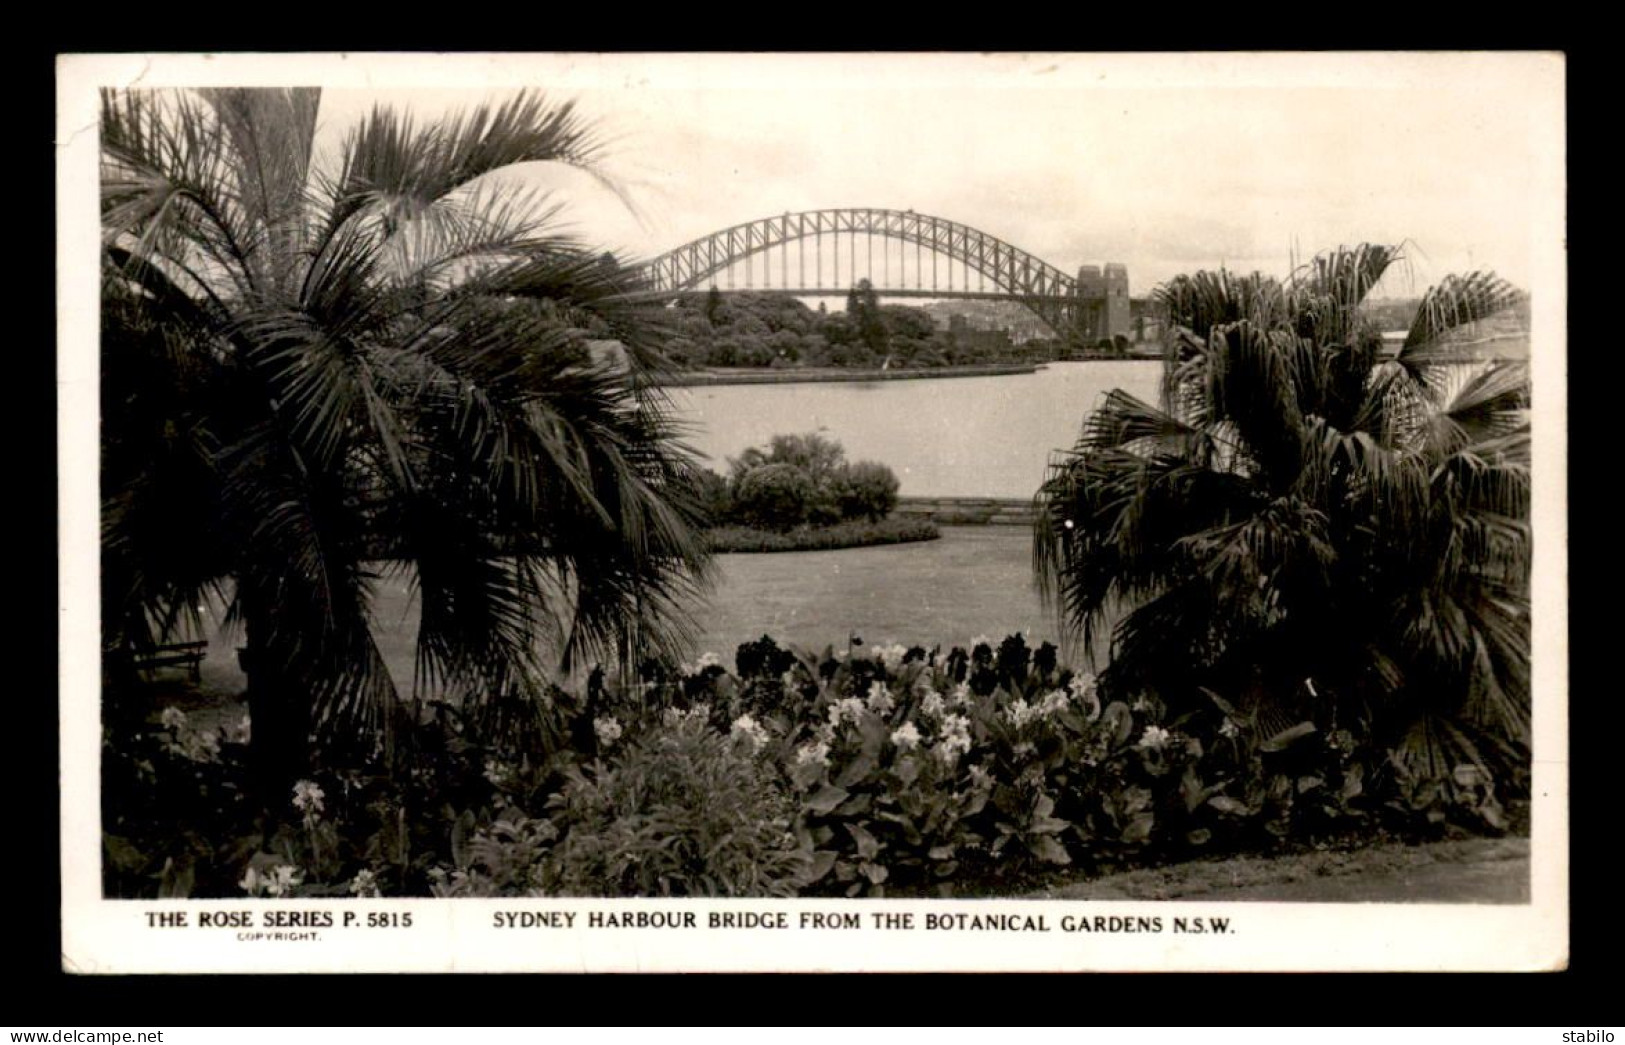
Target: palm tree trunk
279	709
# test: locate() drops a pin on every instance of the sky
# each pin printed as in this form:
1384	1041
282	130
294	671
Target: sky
1166	163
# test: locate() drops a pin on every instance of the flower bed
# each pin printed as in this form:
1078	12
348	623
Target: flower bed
883	769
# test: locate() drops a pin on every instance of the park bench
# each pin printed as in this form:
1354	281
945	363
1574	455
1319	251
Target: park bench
174	654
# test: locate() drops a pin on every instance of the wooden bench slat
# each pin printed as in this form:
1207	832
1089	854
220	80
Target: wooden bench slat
189	654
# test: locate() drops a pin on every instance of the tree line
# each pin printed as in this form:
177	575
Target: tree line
771	329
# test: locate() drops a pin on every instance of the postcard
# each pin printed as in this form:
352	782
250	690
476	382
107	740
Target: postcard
865	512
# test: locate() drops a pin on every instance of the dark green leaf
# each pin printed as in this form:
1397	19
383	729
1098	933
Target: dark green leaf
1139	828
868	846
825	799
1049	850
1287	737
857	770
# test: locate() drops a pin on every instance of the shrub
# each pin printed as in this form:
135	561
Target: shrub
812	453
506	858
684	811
854	534
173	811
775	496
867	489
714	496
804	479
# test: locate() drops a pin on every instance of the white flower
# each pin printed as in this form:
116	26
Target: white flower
906	737
747	727
1023	749
788	679
847	709
203	747
365	883
1055	700
675	717
955	738
879	700
1019	713
960	696
173	719
980	777
891	656
497	774
607	730
244	730
817	752
1155	738
1082	684
282	879
932	704
307	797
1086	691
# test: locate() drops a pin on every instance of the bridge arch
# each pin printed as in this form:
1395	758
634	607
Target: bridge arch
1047	291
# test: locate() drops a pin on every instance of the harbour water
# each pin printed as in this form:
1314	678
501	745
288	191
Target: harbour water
958	437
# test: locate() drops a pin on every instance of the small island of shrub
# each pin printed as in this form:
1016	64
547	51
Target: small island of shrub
801	494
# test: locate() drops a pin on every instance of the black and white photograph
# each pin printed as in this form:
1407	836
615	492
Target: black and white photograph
841	511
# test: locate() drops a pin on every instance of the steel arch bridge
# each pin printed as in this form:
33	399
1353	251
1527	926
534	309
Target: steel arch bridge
817	238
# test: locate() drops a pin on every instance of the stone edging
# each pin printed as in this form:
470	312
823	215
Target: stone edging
969	511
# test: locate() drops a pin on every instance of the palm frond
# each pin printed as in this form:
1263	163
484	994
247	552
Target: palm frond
1494	402
1302	507
168	187
391	165
1454	303
272	134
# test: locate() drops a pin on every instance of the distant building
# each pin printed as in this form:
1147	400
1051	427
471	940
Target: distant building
1103	302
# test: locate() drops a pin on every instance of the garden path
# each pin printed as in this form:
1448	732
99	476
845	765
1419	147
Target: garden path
1477	870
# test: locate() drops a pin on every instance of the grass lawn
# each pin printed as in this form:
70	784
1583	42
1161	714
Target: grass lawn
974	580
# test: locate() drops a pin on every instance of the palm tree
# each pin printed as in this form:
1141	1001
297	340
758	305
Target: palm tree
1307	523
315	370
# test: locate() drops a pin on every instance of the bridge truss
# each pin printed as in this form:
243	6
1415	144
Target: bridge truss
812	242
